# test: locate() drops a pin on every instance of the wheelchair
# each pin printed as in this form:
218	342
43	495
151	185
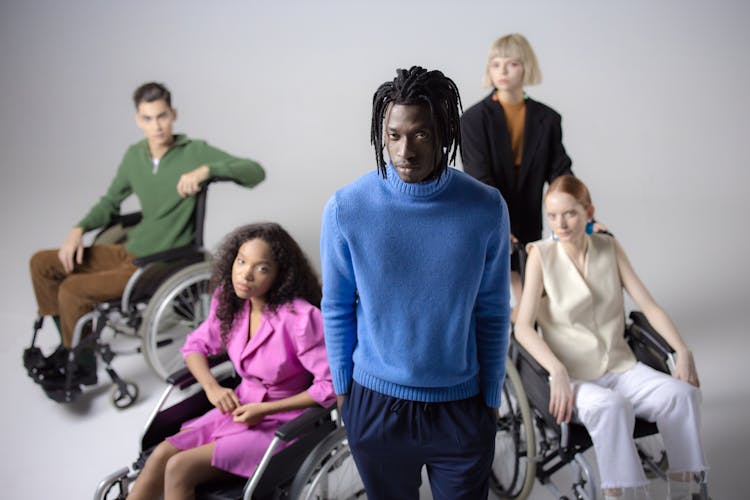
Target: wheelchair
317	465
164	300
530	445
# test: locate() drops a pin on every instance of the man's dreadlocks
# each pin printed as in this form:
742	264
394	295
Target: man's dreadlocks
421	87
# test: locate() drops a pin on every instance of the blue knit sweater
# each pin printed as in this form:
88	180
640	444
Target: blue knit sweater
415	287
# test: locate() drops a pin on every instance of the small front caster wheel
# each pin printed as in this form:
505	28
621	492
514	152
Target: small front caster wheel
123	395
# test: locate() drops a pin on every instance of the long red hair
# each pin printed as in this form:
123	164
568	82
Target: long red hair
573	186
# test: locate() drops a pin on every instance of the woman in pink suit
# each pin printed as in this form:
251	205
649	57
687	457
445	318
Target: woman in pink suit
264	313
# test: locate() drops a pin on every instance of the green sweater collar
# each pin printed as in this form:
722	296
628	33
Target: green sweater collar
179	140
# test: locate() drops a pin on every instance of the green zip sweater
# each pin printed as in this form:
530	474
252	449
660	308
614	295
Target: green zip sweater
167	219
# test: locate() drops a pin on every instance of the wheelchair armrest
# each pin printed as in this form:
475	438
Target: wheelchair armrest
648	346
168	255
184	378
529	360
642	330
218	179
535	380
304	422
127	220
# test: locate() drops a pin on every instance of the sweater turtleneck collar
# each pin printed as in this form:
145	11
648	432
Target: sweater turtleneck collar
422	189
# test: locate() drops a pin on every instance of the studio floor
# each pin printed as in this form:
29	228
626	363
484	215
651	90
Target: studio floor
62	451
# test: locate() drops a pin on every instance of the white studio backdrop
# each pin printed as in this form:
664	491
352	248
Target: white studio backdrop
653	96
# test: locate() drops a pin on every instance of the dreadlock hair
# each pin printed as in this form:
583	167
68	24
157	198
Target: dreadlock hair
422	87
295	277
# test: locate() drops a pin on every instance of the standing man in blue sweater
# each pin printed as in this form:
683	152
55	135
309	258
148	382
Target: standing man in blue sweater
415	260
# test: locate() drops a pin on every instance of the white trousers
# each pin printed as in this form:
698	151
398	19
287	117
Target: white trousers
608	407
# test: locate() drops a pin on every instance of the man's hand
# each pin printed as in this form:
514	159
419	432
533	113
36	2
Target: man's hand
600	228
190	183
71	251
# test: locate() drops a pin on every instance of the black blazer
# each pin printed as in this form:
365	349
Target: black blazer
487	156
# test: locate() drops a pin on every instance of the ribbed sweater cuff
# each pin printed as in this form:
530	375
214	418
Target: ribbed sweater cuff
491	393
342	380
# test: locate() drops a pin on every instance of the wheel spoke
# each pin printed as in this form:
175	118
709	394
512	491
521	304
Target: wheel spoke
512	470
330	473
177	308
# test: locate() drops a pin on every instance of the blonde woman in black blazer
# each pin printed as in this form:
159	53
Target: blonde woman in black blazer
512	142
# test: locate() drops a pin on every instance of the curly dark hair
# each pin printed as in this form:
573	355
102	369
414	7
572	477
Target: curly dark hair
432	89
295	277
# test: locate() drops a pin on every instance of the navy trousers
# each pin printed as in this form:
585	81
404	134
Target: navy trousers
392	439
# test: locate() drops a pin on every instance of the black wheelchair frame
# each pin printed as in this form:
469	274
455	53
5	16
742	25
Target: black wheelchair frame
179	276
539	447
316	465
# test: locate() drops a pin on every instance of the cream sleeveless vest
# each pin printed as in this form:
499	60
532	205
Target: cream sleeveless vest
583	320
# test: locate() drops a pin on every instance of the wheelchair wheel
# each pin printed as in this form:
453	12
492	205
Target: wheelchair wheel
179	305
329	472
514	467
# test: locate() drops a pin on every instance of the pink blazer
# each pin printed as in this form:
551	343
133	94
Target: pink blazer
284	357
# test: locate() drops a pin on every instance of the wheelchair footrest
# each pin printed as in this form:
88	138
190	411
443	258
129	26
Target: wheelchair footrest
32	359
63	395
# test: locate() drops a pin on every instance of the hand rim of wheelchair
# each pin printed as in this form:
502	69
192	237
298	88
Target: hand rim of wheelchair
162	305
509	426
327	456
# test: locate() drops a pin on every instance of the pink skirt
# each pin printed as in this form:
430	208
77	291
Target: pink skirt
238	448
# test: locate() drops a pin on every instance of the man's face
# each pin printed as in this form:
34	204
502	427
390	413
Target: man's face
410	141
155	119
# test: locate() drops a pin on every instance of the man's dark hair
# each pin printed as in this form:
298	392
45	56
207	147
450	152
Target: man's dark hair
150	92
295	277
429	88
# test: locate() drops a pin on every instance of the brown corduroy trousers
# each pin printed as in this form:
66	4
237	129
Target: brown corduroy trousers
102	276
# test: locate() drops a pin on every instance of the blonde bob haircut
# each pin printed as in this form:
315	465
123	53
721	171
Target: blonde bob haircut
514	45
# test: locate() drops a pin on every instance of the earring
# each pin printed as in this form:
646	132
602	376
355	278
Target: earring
590	226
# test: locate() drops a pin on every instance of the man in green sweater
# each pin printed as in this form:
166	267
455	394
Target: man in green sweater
164	171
